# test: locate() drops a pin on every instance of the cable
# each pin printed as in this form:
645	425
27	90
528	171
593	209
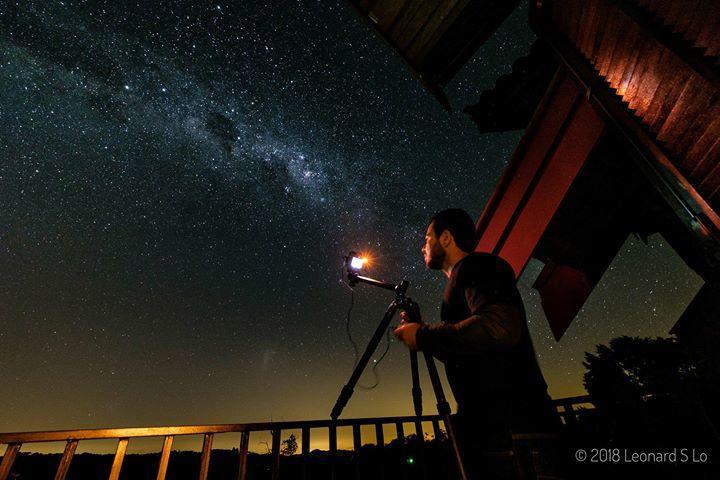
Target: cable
356	352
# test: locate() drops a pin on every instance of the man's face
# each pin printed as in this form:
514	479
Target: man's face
433	252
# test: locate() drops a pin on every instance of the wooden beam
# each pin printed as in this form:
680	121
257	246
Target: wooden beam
9	459
119	457
243	453
164	457
275	454
686	51
64	464
205	457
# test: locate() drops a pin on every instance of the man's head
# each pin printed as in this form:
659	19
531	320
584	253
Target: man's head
451	232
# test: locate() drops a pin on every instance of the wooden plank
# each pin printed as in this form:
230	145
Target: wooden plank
603	17
65	435
577	14
419	24
379	435
690	207
621	54
436	429
305	451
9	459
118	461
380	444
165	457
704	121
710	182
243	455
675	78
387	13
275	474
435	29
633	58
357	447
544	192
698	158
612	34
691	56
357	439
548	121
647	80
695	99
589	28
205	457
400	431
67	456
419	431
332	440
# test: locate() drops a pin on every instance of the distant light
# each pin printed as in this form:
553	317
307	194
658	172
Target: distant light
127	87
357	263
410	461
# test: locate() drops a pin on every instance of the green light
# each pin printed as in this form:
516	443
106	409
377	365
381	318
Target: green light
410	461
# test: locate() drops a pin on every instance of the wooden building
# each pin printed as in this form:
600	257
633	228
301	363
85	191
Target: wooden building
620	102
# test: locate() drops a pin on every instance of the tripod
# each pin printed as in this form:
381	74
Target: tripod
401	302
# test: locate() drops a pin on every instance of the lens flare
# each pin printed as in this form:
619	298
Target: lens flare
357	263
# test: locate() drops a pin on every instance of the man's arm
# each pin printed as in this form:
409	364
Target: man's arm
494	326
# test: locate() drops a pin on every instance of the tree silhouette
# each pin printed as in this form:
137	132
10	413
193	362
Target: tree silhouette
633	371
645	387
289	445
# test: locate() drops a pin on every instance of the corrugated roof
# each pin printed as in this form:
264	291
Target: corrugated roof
676	100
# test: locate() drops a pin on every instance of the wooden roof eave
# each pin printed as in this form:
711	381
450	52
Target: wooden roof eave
435	90
695	213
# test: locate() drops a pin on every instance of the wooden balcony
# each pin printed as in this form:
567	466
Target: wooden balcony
567	409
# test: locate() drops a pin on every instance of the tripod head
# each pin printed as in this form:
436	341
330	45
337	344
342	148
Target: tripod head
355	263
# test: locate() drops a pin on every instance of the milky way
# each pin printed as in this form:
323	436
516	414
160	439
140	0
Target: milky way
178	181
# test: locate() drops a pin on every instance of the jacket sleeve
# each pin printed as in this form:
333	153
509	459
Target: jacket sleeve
494	323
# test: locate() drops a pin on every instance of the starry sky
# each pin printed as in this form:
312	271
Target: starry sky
179	181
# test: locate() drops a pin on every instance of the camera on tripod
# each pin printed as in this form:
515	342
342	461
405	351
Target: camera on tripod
354	264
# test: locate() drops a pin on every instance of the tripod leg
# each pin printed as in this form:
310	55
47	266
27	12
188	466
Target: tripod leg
444	410
349	387
416	390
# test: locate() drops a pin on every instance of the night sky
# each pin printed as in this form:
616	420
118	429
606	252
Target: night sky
179	181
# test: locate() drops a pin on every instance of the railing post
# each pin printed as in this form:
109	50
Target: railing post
243	453
305	450
276	454
400	432
332	437
205	458
436	429
420	447
357	446
9	459
569	414
380	441
118	461
379	435
164	457
419	431
64	464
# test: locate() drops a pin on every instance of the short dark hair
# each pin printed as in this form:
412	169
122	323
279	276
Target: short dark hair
459	223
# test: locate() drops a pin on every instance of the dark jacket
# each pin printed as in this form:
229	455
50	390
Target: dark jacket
483	338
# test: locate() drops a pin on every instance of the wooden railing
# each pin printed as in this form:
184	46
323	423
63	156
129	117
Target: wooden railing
15	441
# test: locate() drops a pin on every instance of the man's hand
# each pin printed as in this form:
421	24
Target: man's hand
407	332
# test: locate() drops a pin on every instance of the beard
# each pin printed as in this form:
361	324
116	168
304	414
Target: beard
436	257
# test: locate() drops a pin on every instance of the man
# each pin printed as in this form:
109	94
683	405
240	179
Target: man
484	342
